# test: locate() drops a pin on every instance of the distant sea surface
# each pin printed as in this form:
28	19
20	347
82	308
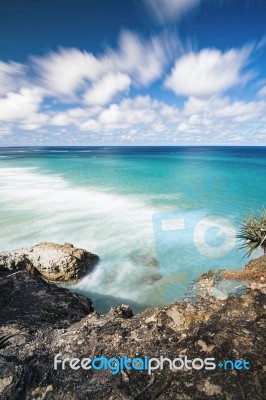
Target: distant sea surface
104	199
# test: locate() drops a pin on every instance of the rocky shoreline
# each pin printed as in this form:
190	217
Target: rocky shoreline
54	262
43	320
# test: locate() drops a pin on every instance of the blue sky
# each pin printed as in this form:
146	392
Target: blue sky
133	72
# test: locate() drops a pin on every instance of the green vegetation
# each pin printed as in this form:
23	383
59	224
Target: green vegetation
253	232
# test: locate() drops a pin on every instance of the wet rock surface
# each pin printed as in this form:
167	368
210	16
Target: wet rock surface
54	262
46	320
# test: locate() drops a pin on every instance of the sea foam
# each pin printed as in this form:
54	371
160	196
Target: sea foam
37	206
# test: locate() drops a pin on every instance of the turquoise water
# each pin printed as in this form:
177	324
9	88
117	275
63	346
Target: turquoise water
106	199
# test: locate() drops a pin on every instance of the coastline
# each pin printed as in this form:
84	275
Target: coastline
107	199
46	320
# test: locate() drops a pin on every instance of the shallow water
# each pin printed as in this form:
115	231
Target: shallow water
109	201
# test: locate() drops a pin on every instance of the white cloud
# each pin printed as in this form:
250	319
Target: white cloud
169	10
90	126
20	105
103	90
130	112
11	74
144	60
65	71
72	116
216	112
22	109
68	117
262	92
68	70
208	72
96	91
217	107
5	130
145	120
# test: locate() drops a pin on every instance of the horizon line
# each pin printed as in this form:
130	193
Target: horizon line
127	146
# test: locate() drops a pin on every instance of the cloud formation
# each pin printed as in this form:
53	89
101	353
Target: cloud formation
65	72
170	10
11	75
73	96
20	105
208	72
103	90
144	120
262	92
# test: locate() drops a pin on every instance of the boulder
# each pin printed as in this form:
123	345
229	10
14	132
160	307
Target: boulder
54	262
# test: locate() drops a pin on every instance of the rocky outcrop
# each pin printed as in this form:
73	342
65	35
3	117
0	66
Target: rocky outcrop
254	271
54	262
46	320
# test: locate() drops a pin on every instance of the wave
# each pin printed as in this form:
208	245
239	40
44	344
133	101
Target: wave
37	206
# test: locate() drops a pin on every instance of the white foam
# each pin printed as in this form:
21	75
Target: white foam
42	207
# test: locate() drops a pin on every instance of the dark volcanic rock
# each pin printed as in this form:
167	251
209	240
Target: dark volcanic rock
223	328
55	262
28	300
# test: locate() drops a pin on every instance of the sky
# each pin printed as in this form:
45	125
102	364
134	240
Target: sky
132	72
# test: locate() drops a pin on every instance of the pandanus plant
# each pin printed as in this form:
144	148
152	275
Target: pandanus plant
253	232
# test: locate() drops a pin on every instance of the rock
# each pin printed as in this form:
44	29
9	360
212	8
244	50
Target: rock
229	328
32	302
229	287
123	311
152	262
254	271
54	262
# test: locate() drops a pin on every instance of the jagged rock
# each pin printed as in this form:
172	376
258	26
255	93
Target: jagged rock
35	303
55	262
222	328
123	311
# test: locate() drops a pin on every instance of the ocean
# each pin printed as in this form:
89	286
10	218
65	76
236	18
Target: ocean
112	201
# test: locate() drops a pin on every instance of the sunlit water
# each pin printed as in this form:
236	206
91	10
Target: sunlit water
105	199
